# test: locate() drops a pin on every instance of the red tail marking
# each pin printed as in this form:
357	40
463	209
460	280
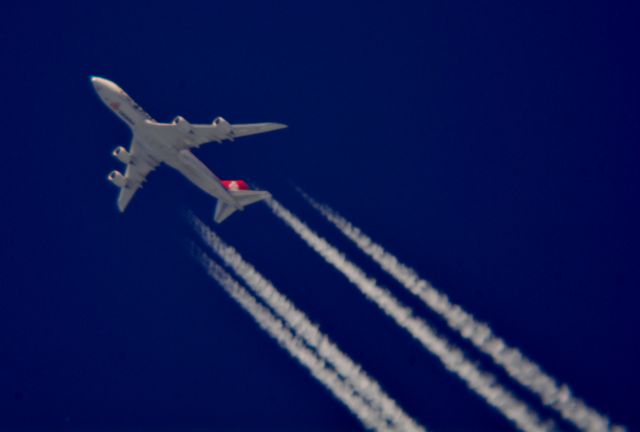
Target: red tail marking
234	185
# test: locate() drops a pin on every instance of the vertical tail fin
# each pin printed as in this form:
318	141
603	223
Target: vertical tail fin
243	196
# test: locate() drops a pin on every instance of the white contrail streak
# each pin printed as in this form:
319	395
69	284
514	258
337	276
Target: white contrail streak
517	365
276	328
453	358
303	328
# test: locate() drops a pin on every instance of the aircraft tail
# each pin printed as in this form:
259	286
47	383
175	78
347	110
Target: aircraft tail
241	193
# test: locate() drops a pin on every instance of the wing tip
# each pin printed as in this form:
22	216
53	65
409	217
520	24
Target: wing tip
122	204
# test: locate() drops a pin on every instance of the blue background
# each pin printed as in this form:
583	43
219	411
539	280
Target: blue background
493	147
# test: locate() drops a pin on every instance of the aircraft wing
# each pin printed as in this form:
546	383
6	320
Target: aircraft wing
203	134
141	164
241	130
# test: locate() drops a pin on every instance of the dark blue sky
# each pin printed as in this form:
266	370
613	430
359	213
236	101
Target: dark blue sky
492	147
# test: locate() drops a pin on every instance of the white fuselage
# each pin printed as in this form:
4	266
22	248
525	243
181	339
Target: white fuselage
160	146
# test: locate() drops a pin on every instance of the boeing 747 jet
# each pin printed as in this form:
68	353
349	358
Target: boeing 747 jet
153	143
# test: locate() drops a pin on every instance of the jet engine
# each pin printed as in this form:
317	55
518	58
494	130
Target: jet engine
122	155
117	178
224	127
183	125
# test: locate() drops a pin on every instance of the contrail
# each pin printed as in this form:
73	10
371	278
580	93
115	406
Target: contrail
303	328
453	358
517	365
276	328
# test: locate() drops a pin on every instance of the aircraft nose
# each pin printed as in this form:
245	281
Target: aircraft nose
98	83
104	85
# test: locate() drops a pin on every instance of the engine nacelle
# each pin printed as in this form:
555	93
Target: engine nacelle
223	125
183	125
117	178
122	155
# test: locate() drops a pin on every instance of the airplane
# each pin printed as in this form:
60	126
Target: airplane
154	143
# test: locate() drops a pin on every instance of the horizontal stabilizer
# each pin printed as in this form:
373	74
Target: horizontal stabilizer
243	198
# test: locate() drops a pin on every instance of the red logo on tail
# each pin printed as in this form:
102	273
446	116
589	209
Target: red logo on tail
234	185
